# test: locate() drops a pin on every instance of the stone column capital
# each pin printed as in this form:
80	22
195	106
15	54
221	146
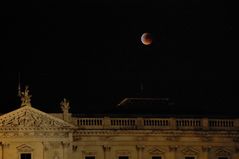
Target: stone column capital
206	148
65	144
46	146
140	147
74	148
173	148
5	145
106	147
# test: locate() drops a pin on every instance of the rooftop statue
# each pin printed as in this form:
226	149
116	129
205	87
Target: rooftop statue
25	97
65	105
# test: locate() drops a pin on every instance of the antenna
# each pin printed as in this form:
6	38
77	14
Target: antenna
19	84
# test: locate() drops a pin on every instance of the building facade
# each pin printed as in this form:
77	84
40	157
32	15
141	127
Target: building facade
28	133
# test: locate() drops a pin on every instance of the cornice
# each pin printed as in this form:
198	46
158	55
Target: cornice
33	134
170	133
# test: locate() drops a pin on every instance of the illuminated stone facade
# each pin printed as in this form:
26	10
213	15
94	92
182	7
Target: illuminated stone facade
28	133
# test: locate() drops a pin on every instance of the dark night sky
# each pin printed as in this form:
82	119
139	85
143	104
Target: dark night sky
90	53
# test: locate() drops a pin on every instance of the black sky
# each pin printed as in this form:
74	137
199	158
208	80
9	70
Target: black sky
90	52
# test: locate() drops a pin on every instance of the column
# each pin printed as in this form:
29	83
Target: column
205	150
1	147
173	151
46	146
236	154
140	149
4	147
65	146
106	149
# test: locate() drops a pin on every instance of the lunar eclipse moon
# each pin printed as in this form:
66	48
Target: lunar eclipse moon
146	39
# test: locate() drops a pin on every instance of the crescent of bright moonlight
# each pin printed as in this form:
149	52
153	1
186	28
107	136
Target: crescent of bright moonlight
146	39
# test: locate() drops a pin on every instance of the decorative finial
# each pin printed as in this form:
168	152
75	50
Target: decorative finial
19	85
65	105
25	97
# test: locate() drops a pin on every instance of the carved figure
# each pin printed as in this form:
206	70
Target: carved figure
25	97
65	105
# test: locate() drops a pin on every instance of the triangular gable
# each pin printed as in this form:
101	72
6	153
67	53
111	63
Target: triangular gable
156	151
32	118
190	151
222	152
24	148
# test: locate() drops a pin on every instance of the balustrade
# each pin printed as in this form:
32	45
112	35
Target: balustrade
154	123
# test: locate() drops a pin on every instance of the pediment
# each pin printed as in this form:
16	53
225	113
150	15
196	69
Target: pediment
156	151
29	117
190	151
24	148
222	152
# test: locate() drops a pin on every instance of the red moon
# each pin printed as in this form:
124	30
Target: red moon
146	39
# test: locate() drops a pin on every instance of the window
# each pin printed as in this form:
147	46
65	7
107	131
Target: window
156	157
26	156
123	157
89	157
190	157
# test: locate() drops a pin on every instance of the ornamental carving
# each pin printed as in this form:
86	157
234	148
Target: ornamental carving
35	134
30	117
